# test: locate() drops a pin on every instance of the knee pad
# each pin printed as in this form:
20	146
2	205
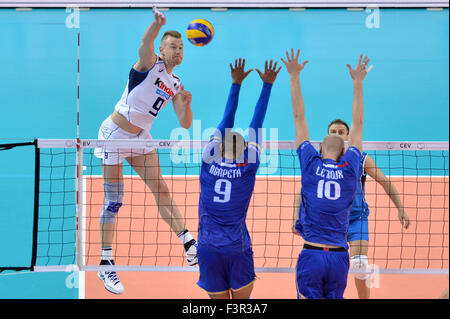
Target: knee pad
113	201
360	264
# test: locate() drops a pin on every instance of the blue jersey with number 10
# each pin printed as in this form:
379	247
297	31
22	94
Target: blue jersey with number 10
226	190
328	188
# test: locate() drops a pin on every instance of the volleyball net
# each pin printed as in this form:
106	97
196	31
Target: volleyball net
52	218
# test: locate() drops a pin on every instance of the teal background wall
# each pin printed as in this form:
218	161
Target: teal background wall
406	93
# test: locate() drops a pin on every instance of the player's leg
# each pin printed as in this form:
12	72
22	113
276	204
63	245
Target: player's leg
336	278
148	168
220	295
359	262
113	192
113	195
358	238
444	294
112	171
242	273
243	293
310	273
213	272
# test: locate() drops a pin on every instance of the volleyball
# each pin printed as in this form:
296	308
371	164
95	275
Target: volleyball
200	32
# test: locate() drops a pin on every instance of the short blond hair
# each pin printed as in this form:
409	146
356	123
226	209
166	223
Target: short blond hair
171	33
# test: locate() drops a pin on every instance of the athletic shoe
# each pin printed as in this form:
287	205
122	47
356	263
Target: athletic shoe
110	279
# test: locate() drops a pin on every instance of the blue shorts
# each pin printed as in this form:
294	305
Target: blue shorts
358	228
221	270
322	274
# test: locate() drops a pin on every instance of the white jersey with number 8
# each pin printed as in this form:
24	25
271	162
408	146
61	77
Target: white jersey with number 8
147	93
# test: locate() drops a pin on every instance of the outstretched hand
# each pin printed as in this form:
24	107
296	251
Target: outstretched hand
238	74
185	96
160	19
270	72
404	218
361	69
292	65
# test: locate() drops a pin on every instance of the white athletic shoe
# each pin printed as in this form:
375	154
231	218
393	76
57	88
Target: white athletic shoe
191	253
111	280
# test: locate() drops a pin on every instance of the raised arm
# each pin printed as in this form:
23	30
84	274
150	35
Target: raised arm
298	106
268	77
237	75
147	56
356	129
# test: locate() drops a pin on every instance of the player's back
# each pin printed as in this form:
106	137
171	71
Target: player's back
226	190
328	188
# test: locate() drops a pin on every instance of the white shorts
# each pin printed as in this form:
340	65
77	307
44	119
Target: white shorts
109	131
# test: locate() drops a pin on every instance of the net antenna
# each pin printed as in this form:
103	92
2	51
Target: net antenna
79	174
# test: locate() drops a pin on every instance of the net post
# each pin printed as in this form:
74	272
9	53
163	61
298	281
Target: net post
37	178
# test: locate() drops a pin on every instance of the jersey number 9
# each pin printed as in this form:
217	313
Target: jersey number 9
225	193
156	106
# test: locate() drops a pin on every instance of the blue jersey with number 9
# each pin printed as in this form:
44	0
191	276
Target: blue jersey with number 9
226	190
328	188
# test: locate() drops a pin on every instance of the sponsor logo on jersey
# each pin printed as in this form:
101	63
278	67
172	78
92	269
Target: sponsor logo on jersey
163	94
160	84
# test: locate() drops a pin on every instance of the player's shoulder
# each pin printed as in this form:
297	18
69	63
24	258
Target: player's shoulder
352	159
304	144
176	77
176	81
352	150
158	67
307	151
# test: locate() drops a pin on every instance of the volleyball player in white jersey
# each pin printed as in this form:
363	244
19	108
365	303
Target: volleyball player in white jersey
151	86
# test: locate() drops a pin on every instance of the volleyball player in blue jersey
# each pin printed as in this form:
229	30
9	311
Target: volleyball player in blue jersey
328	186
227	179
358	230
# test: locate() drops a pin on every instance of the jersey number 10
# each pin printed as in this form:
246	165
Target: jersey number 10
324	189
